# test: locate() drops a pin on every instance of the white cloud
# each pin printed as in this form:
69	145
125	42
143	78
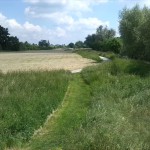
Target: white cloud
132	3
64	33
91	23
32	28
65	16
30	32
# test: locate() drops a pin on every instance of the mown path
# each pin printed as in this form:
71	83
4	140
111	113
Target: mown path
65	122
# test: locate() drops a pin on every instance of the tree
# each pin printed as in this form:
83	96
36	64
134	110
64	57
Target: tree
13	43
105	33
4	36
79	44
44	44
8	42
98	41
71	45
135	32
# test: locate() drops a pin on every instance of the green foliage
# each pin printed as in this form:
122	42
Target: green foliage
105	33
8	42
26	99
112	45
90	54
134	30
44	44
4	35
71	45
79	44
13	43
103	40
28	46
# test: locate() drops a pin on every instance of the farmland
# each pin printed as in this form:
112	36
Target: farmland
42	60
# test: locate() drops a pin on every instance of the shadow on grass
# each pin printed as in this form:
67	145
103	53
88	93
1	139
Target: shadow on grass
133	67
139	68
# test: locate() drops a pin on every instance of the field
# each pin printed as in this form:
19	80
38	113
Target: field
46	60
106	106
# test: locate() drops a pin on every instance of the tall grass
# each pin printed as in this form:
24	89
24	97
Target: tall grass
120	114
119	117
90	54
26	99
59	131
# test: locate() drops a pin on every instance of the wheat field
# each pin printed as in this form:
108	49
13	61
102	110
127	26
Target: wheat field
39	60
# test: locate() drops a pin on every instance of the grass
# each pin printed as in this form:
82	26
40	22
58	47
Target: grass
119	117
106	107
109	55
90	54
59	131
94	55
26	99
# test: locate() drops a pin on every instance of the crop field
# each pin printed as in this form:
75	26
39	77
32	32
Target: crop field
42	61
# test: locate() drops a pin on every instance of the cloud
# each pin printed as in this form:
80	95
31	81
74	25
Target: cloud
30	32
130	3
76	30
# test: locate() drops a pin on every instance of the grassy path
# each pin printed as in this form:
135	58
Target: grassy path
61	128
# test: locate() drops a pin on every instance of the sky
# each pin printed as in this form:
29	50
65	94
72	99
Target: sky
61	21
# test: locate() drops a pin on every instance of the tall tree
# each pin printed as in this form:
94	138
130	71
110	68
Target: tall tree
4	37
100	40
135	32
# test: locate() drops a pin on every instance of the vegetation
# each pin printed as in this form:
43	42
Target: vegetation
135	32
61	129
103	40
107	107
71	45
8	42
26	99
119	116
90	54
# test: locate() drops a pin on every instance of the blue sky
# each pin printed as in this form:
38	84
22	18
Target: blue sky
61	21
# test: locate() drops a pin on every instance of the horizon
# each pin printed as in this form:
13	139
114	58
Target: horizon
61	21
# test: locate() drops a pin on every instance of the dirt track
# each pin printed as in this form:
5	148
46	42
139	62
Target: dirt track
42	60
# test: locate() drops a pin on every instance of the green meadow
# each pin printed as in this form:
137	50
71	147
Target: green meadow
106	106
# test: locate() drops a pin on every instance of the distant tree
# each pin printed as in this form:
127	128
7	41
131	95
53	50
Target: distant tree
104	33
99	40
44	44
79	44
13	43
71	45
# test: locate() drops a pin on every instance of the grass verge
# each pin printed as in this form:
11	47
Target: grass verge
26	99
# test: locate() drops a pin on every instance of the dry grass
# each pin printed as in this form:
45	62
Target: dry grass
42	61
